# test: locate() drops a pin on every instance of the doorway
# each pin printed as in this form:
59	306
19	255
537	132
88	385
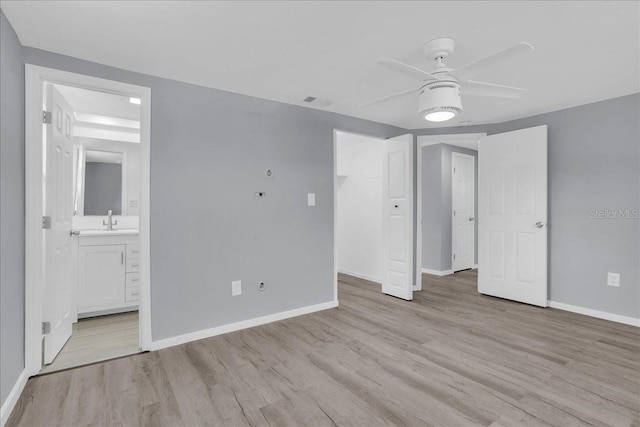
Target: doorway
373	210
447	203
509	208
87	219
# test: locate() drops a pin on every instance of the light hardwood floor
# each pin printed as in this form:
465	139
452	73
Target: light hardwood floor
98	338
451	357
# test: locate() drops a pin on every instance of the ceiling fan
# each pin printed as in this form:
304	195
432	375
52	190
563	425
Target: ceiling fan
440	89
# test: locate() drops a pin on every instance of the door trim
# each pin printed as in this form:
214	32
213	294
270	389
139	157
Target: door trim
473	246
423	141
35	77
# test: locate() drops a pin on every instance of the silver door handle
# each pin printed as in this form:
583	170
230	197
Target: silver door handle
539	224
74	232
471	218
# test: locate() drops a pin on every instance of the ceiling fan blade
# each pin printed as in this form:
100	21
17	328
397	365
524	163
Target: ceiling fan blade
469	71
406	69
471	87
388	98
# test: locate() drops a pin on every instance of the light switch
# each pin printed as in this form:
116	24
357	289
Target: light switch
613	279
311	199
236	288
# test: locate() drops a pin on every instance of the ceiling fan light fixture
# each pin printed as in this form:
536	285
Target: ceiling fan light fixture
440	101
440	116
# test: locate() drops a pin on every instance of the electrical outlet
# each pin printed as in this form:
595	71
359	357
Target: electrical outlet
236	288
613	279
311	199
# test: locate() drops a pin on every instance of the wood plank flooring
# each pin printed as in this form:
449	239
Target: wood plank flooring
98	338
451	358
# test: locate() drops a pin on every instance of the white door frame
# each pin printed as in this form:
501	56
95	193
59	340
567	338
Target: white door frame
456	154
465	140
35	77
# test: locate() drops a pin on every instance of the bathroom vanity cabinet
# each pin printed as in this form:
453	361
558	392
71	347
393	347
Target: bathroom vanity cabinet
108	274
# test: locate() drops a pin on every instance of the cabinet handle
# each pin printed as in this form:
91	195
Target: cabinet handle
135	294
121	258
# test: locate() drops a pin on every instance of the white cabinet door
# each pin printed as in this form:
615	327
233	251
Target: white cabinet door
101	280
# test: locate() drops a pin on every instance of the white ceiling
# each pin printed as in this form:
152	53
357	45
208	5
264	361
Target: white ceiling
102	115
586	51
100	103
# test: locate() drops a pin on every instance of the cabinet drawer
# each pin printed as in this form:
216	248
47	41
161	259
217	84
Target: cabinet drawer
132	293
133	265
133	251
133	279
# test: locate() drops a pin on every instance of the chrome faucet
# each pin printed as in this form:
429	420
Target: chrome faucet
110	222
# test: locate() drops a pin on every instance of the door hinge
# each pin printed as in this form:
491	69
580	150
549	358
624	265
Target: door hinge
46	222
454	213
46	328
46	117
454	256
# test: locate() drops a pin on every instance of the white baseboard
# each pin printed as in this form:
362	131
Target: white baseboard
12	398
257	321
595	313
437	272
361	276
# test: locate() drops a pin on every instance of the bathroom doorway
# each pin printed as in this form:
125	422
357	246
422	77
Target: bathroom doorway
87	290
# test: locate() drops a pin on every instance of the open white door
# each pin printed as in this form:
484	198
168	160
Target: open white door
463	200
397	222
512	210
57	301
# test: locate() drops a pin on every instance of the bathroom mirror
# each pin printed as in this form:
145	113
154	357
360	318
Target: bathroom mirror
107	177
102	182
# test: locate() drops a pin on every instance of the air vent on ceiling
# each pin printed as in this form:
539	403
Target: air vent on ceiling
318	102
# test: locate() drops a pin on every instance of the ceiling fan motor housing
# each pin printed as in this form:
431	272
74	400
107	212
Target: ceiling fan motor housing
440	96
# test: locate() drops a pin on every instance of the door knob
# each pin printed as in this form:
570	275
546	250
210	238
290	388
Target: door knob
74	232
471	218
539	224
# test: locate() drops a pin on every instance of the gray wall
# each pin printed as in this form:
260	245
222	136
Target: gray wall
11	209
102	188
209	153
437	225
594	164
432	207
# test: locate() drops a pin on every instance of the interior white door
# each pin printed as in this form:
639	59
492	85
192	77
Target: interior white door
58	185
463	212
397	222
513	215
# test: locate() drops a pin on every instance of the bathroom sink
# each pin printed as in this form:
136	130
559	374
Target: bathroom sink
114	232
